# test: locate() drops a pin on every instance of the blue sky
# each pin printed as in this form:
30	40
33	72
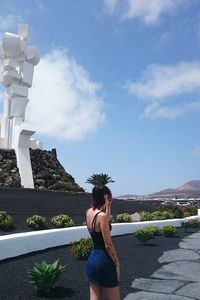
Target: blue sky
117	89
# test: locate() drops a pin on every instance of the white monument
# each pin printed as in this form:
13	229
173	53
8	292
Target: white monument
18	61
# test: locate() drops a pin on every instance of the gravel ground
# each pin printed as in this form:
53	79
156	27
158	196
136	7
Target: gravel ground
136	261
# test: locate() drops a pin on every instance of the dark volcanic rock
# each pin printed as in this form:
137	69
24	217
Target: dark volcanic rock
48	173
9	173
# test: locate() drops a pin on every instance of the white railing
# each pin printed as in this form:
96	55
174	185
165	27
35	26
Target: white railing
16	244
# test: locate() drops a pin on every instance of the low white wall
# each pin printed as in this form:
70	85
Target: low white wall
125	228
16	244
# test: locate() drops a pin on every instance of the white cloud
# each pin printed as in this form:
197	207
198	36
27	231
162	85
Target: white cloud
164	81
110	5
65	102
156	110
9	21
149	10
164	84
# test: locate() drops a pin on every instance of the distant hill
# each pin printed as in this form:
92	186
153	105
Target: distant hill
193	185
190	189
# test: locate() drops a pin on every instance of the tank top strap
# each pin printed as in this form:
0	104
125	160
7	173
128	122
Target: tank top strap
94	221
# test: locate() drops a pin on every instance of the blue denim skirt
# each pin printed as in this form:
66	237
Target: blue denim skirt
101	269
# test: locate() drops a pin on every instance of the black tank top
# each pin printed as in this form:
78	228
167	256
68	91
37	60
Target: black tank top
97	236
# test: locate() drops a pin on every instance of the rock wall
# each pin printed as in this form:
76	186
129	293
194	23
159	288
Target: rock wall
48	173
9	173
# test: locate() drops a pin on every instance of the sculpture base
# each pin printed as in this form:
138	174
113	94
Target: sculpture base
48	173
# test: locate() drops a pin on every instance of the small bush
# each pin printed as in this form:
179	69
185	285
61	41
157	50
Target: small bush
186	214
123	218
44	275
176	210
191	224
167	215
169	230
143	235
6	221
158	215
82	248
62	221
146	216
154	229
36	222
190	210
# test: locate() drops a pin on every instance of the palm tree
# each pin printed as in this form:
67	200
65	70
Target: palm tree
99	179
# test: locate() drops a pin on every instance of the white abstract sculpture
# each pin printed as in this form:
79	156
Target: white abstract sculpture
18	61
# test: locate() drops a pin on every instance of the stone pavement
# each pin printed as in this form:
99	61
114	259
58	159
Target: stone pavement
177	279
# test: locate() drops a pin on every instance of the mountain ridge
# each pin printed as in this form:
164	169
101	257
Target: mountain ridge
190	189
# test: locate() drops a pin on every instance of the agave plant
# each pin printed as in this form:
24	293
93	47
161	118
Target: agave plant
99	179
44	275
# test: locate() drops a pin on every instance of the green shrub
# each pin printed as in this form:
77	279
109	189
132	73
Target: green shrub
146	216
186	214
6	221
176	210
62	221
161	215
123	218
158	215
190	210
143	235
154	229
191	224
82	248
36	222
44	275
167	215
169	230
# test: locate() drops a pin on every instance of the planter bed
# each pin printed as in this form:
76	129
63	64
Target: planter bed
22	243
136	261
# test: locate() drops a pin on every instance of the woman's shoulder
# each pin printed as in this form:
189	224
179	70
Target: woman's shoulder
89	210
103	215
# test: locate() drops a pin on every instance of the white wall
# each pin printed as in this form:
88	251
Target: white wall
16	244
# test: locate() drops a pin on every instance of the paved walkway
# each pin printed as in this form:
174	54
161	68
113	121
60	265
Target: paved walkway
178	278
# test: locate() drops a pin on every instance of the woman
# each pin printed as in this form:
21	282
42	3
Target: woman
103	268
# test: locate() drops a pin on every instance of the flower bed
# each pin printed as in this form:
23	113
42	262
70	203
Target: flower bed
133	256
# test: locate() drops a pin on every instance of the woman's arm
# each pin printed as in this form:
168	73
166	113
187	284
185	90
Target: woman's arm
104	225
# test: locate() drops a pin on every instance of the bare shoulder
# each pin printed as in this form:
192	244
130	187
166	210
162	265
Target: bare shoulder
103	217
89	210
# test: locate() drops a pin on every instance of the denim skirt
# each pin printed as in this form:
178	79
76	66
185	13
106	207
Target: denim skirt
101	269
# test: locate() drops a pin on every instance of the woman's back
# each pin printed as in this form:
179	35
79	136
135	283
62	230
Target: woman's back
90	219
93	224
